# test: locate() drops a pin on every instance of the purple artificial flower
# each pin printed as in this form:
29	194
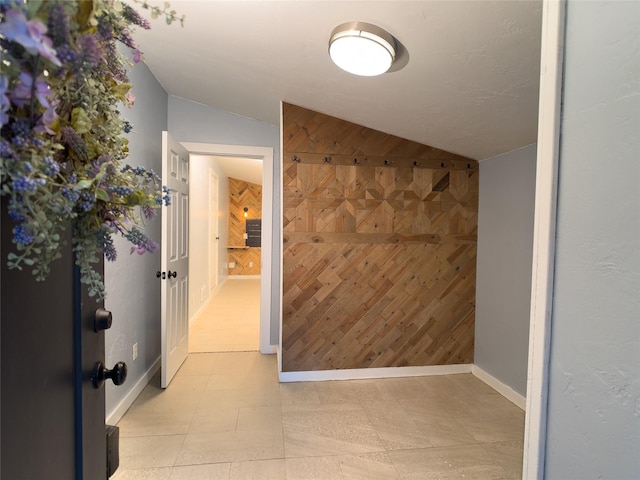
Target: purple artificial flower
137	55
110	252
132	16
140	250
22	91
147	246
30	34
5	103
58	24
90	50
125	37
148	212
76	143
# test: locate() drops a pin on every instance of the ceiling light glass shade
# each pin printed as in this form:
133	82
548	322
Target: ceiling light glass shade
362	49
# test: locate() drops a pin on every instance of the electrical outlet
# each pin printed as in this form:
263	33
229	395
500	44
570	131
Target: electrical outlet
135	350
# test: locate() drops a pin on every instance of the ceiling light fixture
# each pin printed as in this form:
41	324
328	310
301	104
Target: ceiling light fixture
362	49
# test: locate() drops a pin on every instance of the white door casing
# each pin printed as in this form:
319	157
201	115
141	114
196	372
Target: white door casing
175	259
266	284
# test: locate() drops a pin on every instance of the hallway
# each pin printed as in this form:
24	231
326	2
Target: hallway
225	416
231	320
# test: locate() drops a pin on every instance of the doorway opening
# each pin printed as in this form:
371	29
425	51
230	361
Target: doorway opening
235	301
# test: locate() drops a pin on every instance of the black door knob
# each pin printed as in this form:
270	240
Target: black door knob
117	375
172	274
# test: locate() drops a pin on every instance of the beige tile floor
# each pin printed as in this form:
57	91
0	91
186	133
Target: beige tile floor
225	416
231	321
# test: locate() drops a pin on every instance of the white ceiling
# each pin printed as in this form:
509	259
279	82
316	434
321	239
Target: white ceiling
247	169
469	83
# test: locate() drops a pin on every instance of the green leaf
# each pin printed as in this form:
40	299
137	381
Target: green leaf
102	195
80	121
83	184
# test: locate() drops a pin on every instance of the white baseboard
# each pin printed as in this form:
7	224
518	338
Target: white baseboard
242	277
118	412
365	373
269	349
500	387
202	308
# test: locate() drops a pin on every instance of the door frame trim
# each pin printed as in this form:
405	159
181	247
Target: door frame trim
266	155
544	243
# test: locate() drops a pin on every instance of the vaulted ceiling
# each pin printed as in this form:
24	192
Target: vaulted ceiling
468	81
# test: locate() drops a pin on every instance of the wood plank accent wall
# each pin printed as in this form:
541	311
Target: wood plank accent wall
243	194
379	248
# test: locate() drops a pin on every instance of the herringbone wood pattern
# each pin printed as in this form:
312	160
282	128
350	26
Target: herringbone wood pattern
379	248
243	194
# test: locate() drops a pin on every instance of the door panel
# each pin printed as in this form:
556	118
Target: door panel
175	259
52	417
213	231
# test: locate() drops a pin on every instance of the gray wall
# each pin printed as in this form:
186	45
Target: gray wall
594	390
133	292
193	122
505	245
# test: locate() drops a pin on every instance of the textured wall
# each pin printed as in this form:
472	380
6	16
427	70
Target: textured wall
379	248
136	318
505	247
243	194
593	428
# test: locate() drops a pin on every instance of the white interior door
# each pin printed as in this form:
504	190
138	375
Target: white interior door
213	230
175	259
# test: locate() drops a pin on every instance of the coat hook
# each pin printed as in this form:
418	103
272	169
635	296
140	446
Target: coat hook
442	165
468	165
416	164
296	159
355	161
327	159
388	162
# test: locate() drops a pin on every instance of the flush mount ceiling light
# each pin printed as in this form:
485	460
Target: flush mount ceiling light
362	49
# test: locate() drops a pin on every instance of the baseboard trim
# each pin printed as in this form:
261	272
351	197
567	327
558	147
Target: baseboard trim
121	408
269	350
502	388
367	373
202	308
243	277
